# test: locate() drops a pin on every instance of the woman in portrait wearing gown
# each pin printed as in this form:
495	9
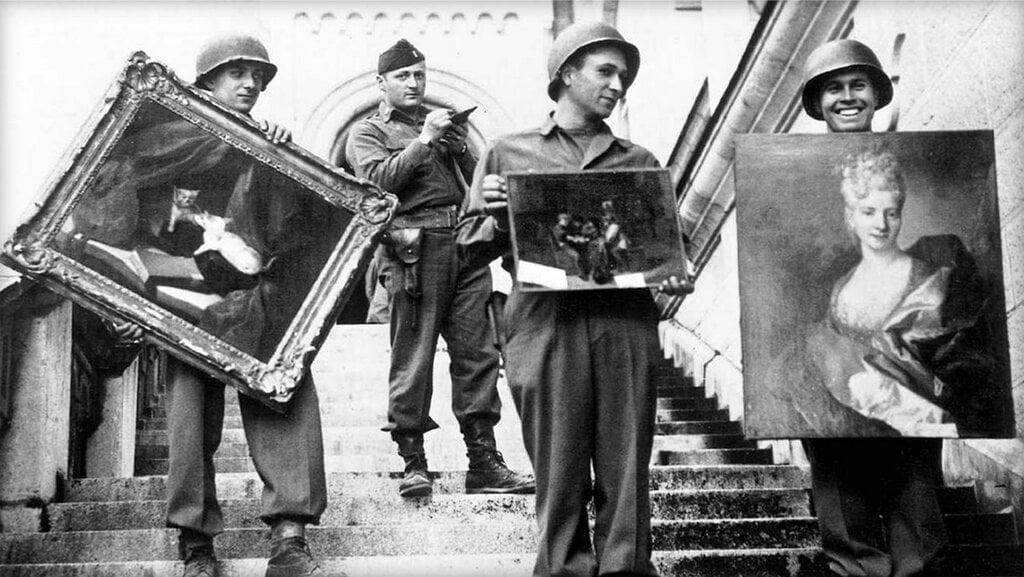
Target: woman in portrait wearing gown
899	343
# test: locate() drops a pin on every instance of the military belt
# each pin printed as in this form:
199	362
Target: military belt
432	217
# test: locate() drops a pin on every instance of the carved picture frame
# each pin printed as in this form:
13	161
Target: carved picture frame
282	195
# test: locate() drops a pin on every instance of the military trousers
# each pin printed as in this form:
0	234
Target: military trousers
876	505
579	367
449	300
287	450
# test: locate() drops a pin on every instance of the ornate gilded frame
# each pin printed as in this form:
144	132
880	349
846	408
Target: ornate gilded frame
32	249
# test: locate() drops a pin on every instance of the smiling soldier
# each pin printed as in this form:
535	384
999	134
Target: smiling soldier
579	363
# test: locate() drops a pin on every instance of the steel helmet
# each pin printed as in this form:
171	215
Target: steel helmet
840	55
581	35
221	50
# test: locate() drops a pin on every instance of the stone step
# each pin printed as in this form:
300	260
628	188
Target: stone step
695	442
676	391
669	415
688	477
248	485
666	482
407	539
973	560
387	507
745	456
672	379
688	403
347	414
698	427
388	461
445	539
358	439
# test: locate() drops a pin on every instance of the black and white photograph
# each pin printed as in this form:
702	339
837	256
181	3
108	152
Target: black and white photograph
512	288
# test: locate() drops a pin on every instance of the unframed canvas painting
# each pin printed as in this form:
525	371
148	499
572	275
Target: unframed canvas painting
871	287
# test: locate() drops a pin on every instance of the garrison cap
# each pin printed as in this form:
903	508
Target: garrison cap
402	54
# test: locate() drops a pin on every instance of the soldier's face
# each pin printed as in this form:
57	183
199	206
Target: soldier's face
598	84
404	88
848	101
237	85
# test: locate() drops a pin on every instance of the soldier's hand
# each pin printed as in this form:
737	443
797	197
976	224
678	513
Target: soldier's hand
435	125
495	194
275	132
675	286
124	331
455	138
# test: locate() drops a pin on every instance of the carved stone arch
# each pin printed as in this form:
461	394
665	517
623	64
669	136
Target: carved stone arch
326	129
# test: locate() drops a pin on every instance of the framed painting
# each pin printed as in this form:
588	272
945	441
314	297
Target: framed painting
175	213
871	286
593	229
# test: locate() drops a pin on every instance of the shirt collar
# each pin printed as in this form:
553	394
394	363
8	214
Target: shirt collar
603	132
387	111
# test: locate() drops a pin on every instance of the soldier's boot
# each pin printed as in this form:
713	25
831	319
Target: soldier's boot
196	550
489	474
416	482
289	553
487	470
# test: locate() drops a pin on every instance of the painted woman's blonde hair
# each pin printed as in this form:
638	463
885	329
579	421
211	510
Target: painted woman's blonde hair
868	171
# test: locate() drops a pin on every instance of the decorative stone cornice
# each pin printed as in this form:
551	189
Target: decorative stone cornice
408	23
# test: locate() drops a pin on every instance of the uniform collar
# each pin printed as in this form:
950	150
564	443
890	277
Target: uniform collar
386	111
603	132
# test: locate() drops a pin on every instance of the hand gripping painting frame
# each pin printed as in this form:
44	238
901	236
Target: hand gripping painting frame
152	133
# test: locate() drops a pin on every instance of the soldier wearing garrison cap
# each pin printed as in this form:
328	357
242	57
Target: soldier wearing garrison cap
578	363
859	484
421	155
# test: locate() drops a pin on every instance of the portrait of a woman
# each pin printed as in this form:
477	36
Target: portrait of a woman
902	343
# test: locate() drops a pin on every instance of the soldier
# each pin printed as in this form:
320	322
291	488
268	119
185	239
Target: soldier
422	156
286	449
579	363
856	480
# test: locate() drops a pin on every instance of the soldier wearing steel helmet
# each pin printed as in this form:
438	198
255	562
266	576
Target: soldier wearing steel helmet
579	363
844	85
287	450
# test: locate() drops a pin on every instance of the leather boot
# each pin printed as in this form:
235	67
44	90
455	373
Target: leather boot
289	553
417	481
196	550
489	474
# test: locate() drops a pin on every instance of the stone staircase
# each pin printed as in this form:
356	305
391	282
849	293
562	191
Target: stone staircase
721	507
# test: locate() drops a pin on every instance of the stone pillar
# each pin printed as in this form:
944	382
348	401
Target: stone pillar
110	451
34	446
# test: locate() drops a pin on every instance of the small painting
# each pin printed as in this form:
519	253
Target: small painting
593	229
